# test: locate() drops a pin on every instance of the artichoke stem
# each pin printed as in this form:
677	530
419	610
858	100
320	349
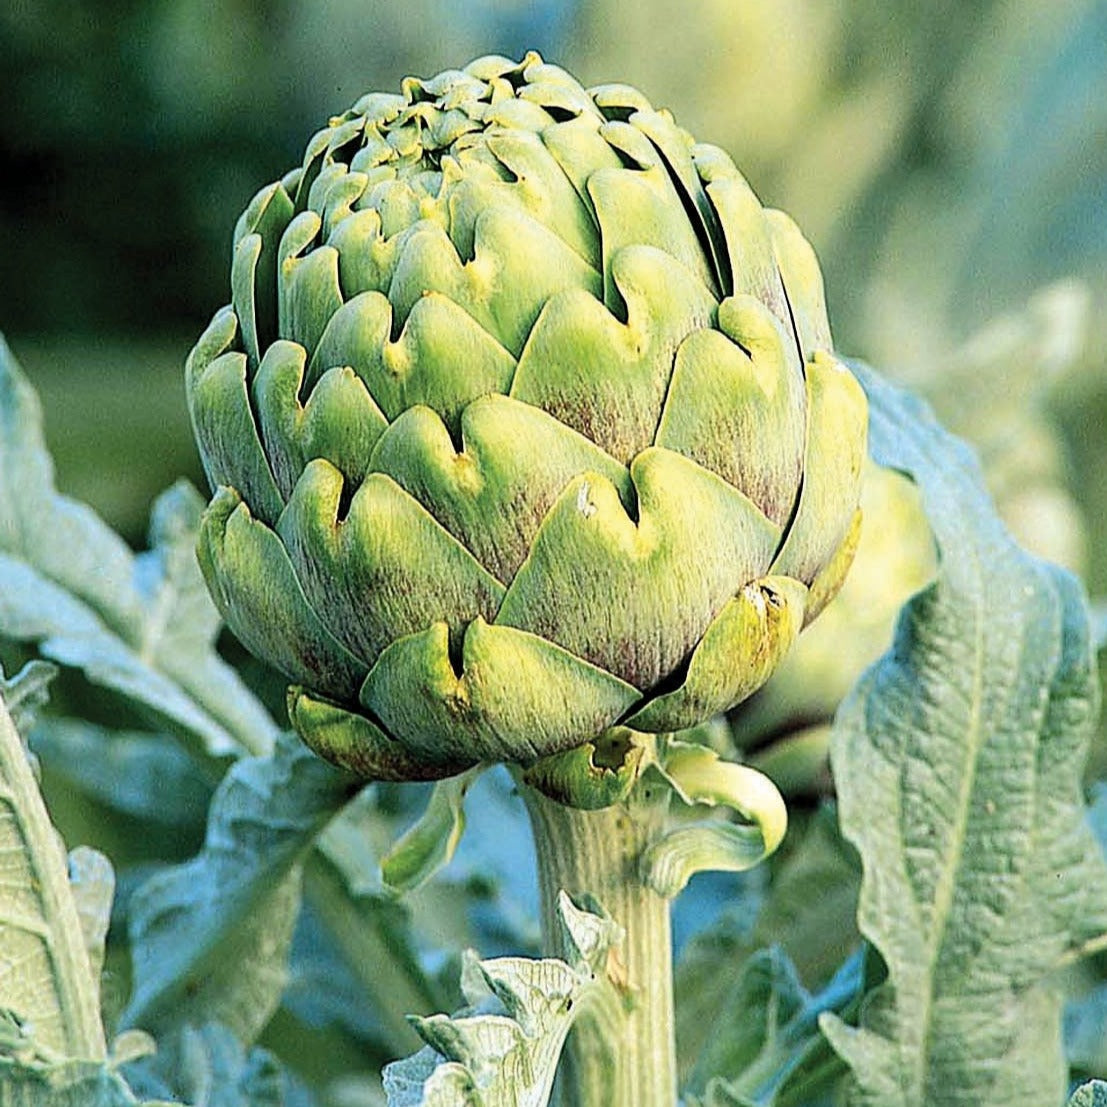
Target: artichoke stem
621	1051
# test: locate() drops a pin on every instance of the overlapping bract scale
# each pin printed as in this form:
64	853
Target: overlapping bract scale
524	423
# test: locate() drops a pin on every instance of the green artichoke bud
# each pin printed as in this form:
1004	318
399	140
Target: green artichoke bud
523	422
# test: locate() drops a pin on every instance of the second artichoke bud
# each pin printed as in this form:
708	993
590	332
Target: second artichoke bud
523	422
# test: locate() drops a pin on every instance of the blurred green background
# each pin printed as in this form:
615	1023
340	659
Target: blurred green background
948	160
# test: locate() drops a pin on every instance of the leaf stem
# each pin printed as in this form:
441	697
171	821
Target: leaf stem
621	1052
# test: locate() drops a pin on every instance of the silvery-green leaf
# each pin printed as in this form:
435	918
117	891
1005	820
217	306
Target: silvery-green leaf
181	625
53	989
142	627
27	692
66	1084
210	938
958	764
92	884
206	1066
766	1046
1021	1077
1092	1094
503	1050
321	991
371	936
147	776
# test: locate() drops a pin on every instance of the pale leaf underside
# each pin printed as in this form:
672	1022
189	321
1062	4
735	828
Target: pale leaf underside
46	979
958	762
503	1052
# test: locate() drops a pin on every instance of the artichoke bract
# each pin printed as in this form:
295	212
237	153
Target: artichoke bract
523	423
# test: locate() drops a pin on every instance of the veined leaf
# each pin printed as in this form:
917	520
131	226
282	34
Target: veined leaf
143	627
958	761
210	938
66	1084
506	1056
92	884
45	975
1092	1094
324	992
52	931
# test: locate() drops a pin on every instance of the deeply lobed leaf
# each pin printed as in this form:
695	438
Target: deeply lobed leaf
503	1050
958	762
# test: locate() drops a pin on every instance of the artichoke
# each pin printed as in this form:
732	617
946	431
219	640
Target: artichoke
523	423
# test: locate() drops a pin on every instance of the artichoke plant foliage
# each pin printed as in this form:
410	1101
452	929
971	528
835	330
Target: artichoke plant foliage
523	422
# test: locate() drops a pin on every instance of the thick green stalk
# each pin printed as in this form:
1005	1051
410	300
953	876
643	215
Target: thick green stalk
621	1052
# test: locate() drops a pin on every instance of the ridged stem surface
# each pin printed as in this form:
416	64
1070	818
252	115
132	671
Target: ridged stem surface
621	1052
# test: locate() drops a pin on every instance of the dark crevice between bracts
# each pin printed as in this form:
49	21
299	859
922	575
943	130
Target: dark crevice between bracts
345	500
559	114
670	682
665	395
794	511
710	236
455	650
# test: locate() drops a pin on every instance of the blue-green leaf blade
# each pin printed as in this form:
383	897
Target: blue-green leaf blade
66	1084
958	760
766	1037
143	775
143	627
210	938
504	1053
208	1065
